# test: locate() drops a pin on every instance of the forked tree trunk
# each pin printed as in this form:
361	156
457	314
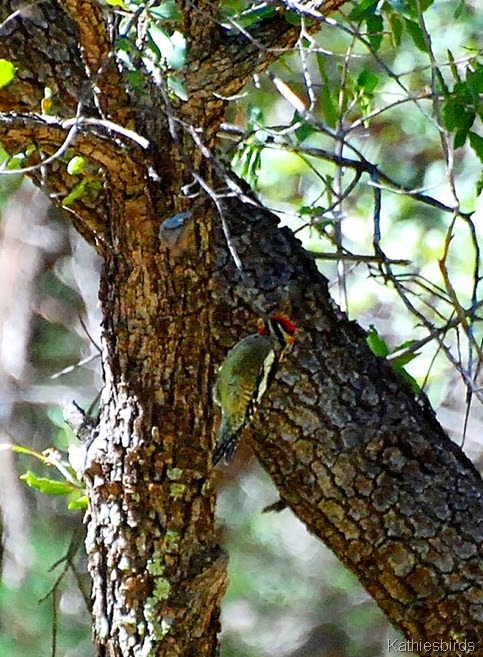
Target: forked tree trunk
362	462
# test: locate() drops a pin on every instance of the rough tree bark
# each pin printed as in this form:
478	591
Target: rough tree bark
362	462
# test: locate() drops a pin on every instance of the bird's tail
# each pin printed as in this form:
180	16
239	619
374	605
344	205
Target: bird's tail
225	445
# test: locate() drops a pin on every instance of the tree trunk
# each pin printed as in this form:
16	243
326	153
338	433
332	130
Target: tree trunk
157	571
361	461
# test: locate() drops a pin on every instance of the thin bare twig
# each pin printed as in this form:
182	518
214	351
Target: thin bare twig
354	257
68	141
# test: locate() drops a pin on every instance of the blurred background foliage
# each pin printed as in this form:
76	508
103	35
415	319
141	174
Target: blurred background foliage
405	89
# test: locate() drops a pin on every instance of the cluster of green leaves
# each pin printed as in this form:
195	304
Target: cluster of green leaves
70	485
87	177
358	92
236	14
393	17
463	105
161	45
247	160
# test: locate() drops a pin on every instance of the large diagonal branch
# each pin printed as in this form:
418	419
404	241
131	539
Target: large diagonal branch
237	53
353	452
118	167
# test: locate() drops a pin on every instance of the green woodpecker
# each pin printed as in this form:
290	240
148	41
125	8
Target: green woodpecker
245	376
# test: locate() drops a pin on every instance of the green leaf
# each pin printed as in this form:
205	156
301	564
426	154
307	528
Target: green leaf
81	502
464	122
159	40
117	3
476	144
450	113
304	131
452	65
410	7
328	107
248	162
7	72
397	28
172	49
459	9
248	17
474	83
407	344
76	165
425	4
48	486
294	18
416	34
177	58
377	345
456	115
126	45
479	186
416	388
81	190
367	81
314	211
166	11
375	29
362	10
400	361
135	79
459	138
24	450
400	6
366	12
176	85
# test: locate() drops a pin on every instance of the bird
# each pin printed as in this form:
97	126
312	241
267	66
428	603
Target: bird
244	377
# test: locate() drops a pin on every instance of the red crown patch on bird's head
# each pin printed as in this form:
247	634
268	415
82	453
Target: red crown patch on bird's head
287	327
